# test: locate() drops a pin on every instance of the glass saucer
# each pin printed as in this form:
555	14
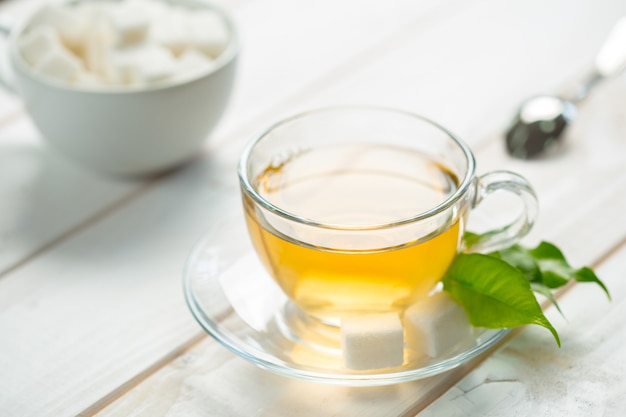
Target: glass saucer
236	301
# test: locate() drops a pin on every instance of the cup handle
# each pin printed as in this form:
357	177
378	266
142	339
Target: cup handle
6	73
520	226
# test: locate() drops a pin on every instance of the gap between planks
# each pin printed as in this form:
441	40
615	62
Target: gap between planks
100	215
133	382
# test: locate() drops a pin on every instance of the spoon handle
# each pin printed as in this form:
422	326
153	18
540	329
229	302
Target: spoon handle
585	89
610	60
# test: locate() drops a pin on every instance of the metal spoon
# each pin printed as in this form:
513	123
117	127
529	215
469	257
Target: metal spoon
541	121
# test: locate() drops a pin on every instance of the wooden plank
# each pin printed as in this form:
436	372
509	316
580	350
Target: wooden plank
120	280
209	379
42	196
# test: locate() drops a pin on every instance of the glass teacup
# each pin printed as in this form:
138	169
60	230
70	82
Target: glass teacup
360	210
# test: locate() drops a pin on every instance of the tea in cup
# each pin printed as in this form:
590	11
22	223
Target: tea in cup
361	210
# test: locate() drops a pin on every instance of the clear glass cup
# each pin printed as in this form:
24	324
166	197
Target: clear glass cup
360	210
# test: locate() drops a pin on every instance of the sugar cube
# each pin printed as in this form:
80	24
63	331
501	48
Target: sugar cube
208	32
156	64
171	31
88	79
139	64
97	44
68	22
59	63
372	341
129	23
120	65
37	42
435	325
153	9
192	62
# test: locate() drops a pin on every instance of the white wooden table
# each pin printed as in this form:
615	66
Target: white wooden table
92	315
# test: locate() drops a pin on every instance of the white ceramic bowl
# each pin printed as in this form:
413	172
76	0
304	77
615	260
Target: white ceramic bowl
130	132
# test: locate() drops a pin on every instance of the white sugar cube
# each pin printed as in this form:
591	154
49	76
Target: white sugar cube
192	62
157	63
94	11
68	21
435	325
372	341
171	30
120	65
129	23
139	64
98	42
37	42
88	79
59	63
208	32
153	9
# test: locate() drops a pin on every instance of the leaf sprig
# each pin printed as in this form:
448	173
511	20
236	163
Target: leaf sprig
497	290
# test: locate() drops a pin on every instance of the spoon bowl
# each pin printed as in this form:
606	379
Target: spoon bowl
538	126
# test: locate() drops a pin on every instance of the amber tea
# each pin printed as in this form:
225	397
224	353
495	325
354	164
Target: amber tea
342	259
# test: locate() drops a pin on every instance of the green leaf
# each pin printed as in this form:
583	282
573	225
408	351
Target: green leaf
470	238
547	265
493	293
521	259
545	291
498	290
556	271
586	274
547	250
